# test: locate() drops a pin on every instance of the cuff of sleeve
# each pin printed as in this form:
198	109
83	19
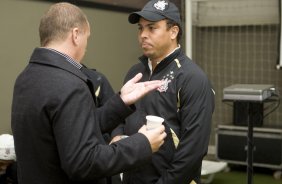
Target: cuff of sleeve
132	106
142	146
118	131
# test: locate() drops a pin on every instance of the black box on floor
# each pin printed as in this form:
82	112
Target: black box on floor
244	111
231	146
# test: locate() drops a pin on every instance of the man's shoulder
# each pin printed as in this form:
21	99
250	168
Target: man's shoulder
136	68
190	67
46	76
189	72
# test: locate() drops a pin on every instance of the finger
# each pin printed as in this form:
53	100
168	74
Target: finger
136	78
162	128
163	135
162	142
151	85
153	82
158	130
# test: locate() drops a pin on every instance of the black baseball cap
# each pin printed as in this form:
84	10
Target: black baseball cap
156	10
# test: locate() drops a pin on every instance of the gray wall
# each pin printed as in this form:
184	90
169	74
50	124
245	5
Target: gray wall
239	55
112	47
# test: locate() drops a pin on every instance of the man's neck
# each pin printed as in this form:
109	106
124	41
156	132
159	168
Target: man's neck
64	48
154	62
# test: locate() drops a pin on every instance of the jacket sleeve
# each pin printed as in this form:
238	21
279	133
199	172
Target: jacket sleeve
105	93
81	148
119	130
112	113
196	108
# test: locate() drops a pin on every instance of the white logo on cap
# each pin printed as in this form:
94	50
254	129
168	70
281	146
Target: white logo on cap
160	5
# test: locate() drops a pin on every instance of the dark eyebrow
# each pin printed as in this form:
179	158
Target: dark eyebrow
147	25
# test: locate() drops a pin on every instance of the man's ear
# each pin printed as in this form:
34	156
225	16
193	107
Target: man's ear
174	32
75	34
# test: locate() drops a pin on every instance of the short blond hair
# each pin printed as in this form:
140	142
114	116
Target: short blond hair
59	20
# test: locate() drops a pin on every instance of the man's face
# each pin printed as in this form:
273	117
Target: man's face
154	39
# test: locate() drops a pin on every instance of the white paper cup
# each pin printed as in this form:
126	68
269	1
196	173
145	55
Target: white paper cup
153	121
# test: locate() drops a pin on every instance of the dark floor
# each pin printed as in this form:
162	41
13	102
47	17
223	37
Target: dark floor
238	175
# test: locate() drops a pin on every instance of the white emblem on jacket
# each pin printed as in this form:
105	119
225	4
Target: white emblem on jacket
160	5
167	79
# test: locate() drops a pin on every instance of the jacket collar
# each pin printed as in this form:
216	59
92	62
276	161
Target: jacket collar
166	61
48	57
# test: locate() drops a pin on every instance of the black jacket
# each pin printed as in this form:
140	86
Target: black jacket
103	91
101	87
58	131
186	102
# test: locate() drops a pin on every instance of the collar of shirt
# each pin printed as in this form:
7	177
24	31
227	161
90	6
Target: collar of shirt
150	62
68	58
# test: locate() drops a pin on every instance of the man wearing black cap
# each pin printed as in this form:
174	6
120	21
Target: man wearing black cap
185	101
